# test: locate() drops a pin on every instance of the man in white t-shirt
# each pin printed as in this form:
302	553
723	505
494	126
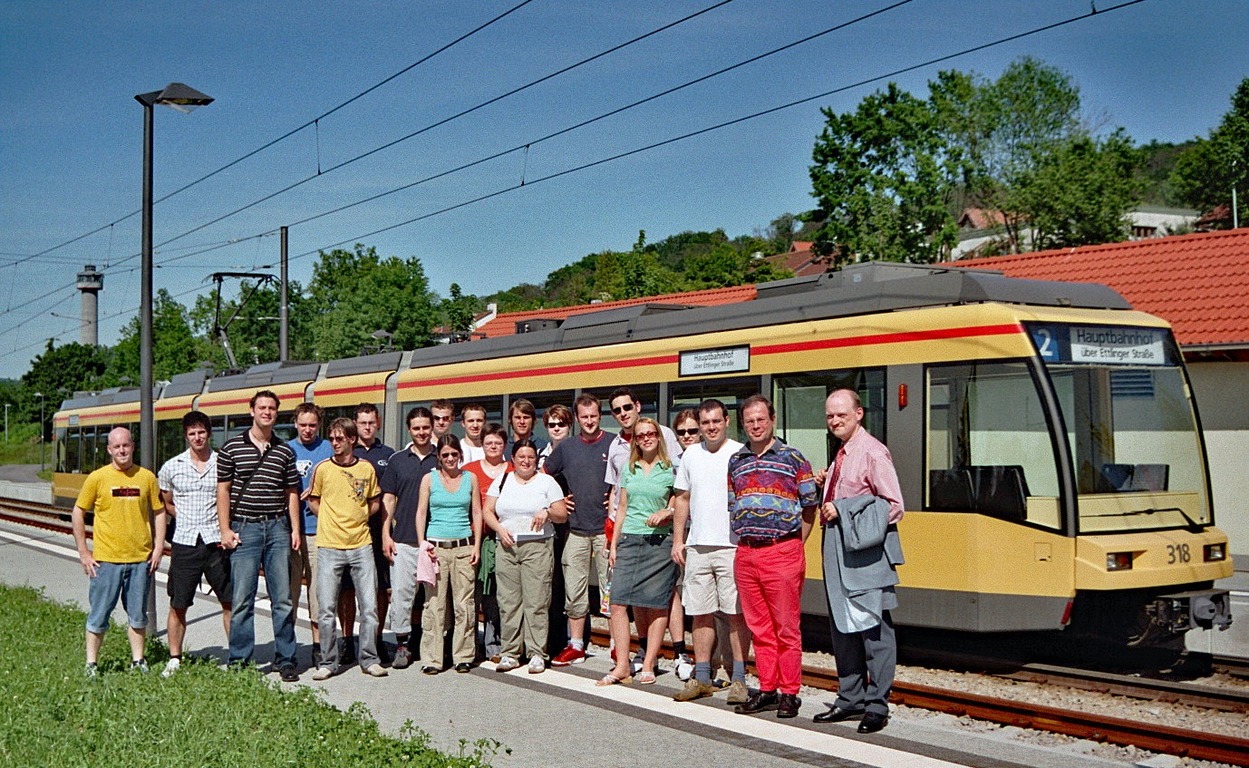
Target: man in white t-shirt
708	550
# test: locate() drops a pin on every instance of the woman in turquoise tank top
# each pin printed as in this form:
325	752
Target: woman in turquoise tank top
448	517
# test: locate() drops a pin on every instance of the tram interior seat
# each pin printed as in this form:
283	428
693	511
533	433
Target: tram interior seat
1136	477
996	490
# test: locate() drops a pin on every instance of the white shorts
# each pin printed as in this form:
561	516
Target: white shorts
709	583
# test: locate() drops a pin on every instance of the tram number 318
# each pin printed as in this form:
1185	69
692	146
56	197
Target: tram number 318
1177	553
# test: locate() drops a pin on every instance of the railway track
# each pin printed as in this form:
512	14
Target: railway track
1154	737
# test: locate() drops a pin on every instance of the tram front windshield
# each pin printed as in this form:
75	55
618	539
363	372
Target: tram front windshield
1131	427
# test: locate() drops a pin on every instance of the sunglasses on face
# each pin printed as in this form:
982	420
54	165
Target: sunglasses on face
687	432
646	435
554	424
449	455
619	409
337	438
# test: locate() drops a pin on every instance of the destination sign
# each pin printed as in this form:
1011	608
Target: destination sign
1101	345
707	361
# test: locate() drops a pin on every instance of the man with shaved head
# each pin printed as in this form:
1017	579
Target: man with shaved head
129	540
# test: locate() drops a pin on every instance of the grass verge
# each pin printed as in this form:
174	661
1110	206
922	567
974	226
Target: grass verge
51	715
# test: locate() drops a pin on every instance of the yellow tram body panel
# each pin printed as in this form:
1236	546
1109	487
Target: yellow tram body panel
1174	556
235	401
347	391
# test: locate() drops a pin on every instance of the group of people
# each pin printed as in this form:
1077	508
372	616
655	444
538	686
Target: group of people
669	522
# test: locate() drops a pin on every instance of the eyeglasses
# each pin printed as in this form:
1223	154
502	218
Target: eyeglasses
442	418
554	424
338	438
449	455
619	409
687	432
646	435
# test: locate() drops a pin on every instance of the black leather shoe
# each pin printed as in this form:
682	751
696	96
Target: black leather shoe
872	723
837	715
288	675
463	666
431	670
763	701
787	705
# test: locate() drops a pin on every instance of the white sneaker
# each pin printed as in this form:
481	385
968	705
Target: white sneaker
684	670
171	668
373	670
537	665
506	664
322	673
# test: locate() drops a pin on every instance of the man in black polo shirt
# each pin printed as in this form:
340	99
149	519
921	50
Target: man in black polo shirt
377	453
401	487
258	512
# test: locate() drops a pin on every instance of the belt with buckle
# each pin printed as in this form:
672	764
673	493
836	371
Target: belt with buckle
762	541
257	518
444	544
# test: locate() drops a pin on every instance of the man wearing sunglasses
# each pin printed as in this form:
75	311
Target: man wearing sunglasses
626	408
444	413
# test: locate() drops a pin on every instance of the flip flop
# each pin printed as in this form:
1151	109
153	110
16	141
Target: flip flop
646	678
610	679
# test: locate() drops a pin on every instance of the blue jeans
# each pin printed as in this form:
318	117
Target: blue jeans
268	543
112	580
331	564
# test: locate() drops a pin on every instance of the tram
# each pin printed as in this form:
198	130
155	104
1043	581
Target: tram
1045	435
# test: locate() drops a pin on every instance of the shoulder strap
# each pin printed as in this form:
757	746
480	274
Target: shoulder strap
503	481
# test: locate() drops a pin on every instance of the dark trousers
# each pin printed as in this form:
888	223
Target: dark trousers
865	666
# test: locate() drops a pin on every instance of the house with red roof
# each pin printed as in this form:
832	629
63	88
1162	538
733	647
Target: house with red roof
1200	284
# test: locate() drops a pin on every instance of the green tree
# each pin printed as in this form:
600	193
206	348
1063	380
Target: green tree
57	373
255	331
357	292
1079	193
1206	173
458	311
883	181
174	346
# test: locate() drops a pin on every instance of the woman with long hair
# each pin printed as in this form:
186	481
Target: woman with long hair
641	552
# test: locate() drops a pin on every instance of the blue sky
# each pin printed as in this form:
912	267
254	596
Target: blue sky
70	130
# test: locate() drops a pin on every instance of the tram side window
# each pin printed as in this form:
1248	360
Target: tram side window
989	444
170	440
799	400
731	392
70	450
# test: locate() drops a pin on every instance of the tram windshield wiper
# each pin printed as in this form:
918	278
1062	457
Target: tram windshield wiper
1193	525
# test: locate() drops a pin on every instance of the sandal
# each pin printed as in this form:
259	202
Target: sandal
610	679
646	678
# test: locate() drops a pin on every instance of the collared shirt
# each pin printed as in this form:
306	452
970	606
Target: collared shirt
194	497
378	454
768	492
402	479
866	468
271	473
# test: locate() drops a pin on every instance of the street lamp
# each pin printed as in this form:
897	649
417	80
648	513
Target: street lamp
42	443
6	423
184	99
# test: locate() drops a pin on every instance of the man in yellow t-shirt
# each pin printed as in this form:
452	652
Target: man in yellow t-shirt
344	494
129	534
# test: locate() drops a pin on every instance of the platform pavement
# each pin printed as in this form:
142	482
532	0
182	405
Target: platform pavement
560	718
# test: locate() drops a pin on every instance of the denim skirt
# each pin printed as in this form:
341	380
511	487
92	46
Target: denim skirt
645	574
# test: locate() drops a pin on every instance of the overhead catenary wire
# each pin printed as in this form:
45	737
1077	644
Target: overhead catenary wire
287	135
708	129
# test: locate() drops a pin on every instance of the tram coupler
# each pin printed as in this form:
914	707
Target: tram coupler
1198	609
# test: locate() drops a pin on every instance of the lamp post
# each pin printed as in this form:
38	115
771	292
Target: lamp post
6	423
184	99
42	443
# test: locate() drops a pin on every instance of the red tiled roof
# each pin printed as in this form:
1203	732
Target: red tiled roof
799	259
505	323
1199	283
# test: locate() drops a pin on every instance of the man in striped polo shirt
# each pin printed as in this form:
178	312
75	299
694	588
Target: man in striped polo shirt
773	498
258	512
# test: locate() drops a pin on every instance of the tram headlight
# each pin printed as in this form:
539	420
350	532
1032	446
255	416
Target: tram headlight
1216	552
1119	561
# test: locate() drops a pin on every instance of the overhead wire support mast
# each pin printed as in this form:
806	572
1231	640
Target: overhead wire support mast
221	330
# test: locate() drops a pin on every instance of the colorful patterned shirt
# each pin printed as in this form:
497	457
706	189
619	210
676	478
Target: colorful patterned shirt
768	492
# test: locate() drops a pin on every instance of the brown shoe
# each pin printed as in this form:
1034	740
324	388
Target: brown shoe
738	693
694	690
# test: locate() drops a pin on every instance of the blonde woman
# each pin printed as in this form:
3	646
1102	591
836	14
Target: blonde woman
640	552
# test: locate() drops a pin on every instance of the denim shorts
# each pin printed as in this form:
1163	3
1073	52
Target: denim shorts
113	580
